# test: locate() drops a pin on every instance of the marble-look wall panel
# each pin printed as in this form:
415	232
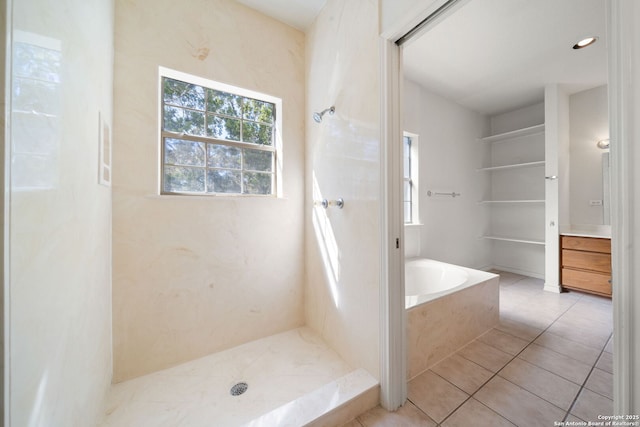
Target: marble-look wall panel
195	275
343	161
59	215
439	328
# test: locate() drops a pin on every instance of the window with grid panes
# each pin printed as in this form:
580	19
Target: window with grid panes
216	141
410	157
408	183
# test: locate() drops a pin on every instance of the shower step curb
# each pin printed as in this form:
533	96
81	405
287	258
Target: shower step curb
335	403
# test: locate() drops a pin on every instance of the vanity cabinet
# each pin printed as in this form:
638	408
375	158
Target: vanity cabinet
586	264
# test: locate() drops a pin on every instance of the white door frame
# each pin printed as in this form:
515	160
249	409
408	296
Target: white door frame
623	130
393	354
622	101
5	178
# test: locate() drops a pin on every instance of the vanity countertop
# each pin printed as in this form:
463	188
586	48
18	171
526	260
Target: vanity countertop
599	231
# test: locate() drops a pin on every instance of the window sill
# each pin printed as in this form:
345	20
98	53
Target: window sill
413	225
214	197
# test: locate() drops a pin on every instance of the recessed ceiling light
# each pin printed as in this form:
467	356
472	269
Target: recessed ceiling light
588	41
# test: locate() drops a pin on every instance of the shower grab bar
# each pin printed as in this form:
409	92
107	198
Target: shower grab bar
434	193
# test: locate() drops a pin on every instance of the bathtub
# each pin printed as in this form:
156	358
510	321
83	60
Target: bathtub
448	306
427	279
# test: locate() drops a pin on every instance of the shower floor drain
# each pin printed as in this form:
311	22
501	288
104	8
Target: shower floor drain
238	389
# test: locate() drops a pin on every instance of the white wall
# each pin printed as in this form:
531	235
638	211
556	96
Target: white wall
195	274
450	153
517	119
343	160
556	142
563	148
59	234
589	124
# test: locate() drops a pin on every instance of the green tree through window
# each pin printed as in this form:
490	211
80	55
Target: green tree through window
215	141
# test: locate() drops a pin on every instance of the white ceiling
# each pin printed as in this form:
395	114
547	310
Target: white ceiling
299	14
496	55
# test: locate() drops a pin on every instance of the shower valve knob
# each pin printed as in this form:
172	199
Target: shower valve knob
339	203
324	203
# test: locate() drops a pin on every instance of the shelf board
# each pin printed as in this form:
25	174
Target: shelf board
515	240
515	166
533	130
509	201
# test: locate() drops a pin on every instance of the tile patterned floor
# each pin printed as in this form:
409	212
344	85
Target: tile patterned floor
549	359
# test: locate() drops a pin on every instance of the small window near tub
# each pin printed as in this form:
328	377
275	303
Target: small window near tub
217	139
410	163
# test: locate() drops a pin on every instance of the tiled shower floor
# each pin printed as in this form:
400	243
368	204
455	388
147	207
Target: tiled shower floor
291	376
549	359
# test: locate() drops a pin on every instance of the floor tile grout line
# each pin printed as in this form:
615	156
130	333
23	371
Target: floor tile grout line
551	372
469	396
457	407
357	420
511	360
568	411
494	374
573	341
527	346
587	379
421	410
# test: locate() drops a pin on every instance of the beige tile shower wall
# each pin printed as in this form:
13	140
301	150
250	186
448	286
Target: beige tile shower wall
342	159
59	217
195	275
440	327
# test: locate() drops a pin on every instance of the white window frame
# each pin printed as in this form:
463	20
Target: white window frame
413	178
277	187
42	160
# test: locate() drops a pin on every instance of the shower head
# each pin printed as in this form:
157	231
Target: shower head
318	116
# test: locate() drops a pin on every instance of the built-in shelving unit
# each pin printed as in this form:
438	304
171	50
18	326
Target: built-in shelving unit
516	161
511	201
511	239
513	166
506	136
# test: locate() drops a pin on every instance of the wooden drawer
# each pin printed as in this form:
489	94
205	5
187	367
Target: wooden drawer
587	281
589	244
586	260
